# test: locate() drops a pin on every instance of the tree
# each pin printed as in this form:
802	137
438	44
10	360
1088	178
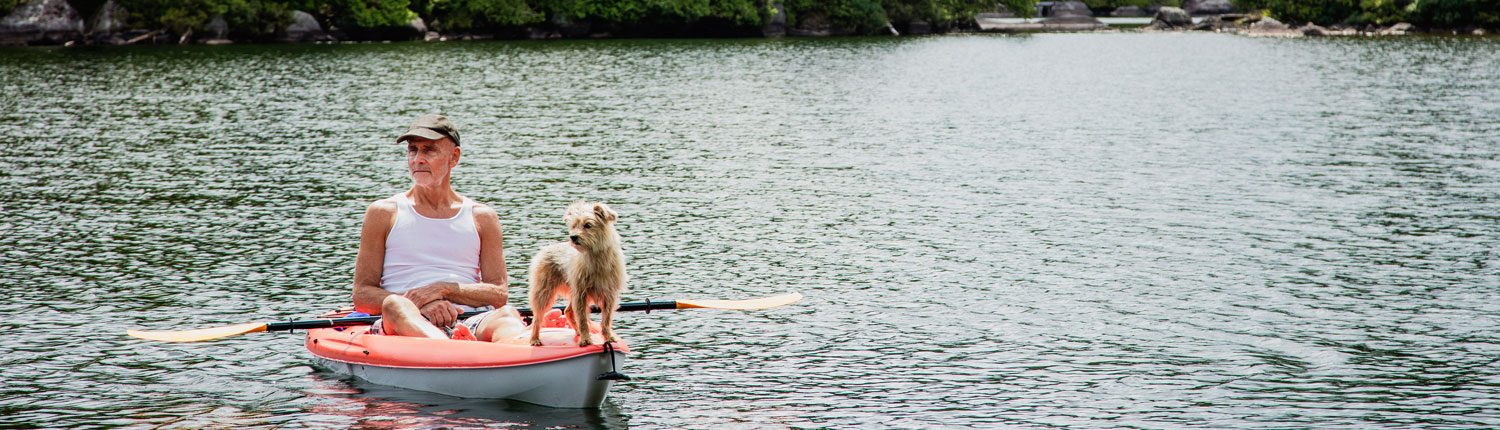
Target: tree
475	14
1322	12
1424	13
368	13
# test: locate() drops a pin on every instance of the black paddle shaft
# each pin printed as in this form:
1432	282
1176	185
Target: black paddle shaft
647	306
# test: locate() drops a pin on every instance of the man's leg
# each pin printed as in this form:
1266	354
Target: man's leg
403	318
502	324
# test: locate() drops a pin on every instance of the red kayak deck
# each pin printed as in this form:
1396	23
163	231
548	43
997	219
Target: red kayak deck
354	345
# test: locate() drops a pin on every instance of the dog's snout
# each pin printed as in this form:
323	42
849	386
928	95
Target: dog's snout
573	238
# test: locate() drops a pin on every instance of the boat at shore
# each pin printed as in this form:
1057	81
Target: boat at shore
557	376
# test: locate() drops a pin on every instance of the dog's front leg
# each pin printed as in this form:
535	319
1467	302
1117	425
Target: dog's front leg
578	308
607	305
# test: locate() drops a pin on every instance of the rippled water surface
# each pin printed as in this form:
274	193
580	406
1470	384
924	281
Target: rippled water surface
1083	230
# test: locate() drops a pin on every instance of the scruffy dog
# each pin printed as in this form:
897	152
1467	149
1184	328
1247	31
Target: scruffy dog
588	268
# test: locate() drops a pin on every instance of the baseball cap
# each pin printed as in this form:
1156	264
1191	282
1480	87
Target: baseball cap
431	126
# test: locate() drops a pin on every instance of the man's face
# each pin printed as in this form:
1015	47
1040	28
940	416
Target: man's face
430	161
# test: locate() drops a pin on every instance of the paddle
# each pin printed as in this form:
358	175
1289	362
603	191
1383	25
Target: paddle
648	306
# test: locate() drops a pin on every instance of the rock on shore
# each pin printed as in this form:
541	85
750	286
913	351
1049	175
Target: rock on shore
108	24
1268	25
1400	28
1313	30
1207	7
41	22
217	28
1170	18
1128	11
304	28
1069	8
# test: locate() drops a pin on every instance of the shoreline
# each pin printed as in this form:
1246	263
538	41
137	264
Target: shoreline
1254	25
306	30
1013	29
167	39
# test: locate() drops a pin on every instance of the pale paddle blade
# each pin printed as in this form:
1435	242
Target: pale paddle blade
741	305
199	334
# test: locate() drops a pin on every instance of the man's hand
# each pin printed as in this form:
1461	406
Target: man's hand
430	293
441	313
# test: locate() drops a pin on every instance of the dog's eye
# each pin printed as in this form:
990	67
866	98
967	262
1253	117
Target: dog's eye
587	226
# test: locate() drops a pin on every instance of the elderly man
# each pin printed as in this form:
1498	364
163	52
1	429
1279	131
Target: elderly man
427	254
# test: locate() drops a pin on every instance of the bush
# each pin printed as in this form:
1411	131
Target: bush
368	13
1322	12
1423	13
941	12
860	16
8	5
1454	13
481	14
250	19
247	19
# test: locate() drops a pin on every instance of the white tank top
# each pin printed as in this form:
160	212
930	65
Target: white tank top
421	250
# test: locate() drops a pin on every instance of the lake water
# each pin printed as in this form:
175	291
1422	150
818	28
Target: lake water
1074	230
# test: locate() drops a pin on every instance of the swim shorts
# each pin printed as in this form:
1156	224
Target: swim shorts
473	322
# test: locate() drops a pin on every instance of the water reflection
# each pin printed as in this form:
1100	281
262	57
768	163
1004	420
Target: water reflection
366	405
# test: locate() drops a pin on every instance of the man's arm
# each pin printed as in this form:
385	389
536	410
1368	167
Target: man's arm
369	265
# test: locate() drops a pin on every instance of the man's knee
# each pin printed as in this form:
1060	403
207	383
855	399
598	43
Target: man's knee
395	304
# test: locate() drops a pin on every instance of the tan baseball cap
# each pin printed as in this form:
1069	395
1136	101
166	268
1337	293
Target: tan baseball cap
431	126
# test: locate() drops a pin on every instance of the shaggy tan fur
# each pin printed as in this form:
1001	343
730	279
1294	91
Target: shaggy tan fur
588	268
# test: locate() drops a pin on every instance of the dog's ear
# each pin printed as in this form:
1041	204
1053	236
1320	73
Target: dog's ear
604	213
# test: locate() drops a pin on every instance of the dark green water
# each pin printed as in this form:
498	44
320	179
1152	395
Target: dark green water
1081	230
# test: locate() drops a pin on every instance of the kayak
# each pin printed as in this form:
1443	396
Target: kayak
557	376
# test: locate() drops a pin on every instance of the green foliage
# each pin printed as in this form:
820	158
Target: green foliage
860	16
740	12
175	15
937	11
8	5
478	14
1379	12
251	19
1302	11
864	15
259	19
1423	13
182	19
1454	13
370	13
744	12
1021	8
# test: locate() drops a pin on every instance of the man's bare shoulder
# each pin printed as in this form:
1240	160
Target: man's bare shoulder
385	206
485	211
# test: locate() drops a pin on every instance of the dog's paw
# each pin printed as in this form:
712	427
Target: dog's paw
584	341
536	341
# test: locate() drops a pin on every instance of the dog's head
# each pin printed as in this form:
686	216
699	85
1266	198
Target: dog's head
591	225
